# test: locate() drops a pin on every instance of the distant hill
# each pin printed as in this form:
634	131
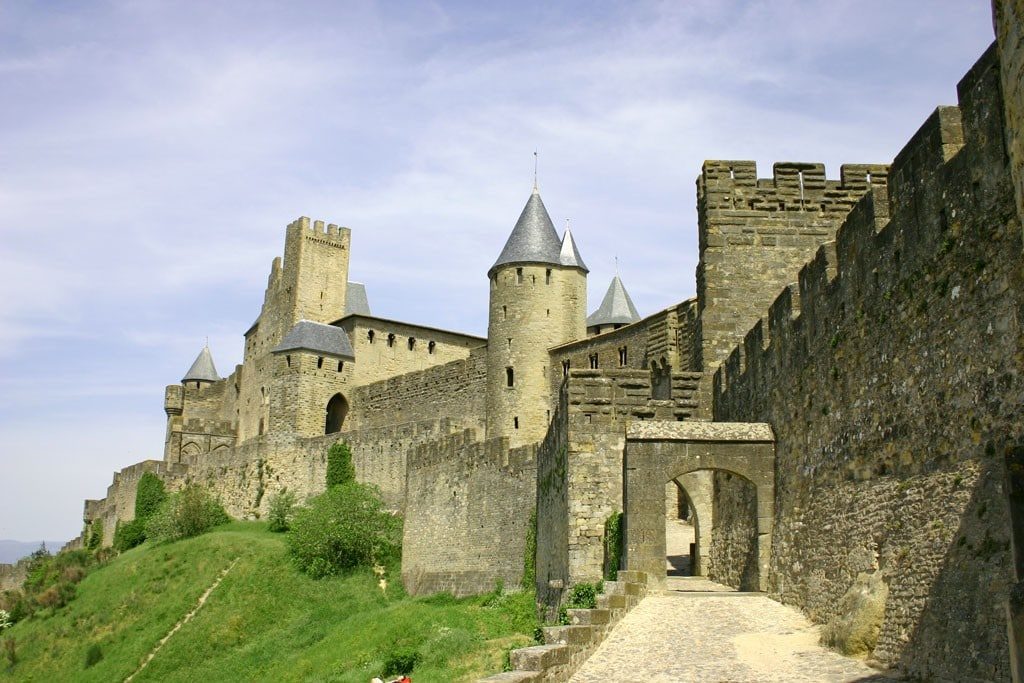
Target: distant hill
12	551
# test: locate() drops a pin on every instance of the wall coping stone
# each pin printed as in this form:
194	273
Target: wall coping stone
655	430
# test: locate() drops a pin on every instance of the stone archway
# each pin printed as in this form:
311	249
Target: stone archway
658	452
337	409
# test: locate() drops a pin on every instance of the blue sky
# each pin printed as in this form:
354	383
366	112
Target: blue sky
151	154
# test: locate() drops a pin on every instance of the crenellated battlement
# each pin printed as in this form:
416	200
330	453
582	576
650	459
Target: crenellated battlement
890	239
795	186
318	229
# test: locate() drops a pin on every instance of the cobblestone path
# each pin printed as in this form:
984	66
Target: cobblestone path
687	635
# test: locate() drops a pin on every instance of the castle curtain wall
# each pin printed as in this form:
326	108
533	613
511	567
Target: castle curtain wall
892	380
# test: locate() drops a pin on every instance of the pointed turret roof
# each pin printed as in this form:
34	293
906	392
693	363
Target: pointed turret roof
616	308
569	254
355	299
202	369
534	239
308	335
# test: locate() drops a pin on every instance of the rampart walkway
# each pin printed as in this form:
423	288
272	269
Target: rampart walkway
685	635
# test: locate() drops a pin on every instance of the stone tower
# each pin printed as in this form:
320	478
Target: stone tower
538	300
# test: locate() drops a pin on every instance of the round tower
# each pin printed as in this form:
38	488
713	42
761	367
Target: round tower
538	299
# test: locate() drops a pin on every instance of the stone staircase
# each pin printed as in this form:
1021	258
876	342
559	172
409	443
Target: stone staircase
565	648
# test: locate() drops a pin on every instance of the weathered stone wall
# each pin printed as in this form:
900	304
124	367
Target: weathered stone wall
386	348
454	390
533	307
12	576
664	340
119	503
580	486
1008	18
552	560
891	375
468	507
754	236
303	384
195	419
732	558
310	284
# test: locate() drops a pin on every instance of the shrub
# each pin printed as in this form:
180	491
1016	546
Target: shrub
340	469
187	513
149	494
582	596
612	546
282	508
345	527
401	662
5	619
95	535
93	655
130	534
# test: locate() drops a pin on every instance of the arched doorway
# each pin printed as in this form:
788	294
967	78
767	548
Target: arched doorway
742	457
688	523
337	409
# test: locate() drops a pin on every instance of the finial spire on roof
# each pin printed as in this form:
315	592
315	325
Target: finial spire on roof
535	170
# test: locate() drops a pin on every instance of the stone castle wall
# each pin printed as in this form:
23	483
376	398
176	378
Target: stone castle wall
304	383
579	481
454	390
891	375
1008	19
754	236
468	507
119	503
386	349
533	307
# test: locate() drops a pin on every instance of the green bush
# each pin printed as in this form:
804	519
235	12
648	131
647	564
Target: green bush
282	508
340	469
612	546
95	535
129	535
149	494
345	527
187	513
93	655
401	662
582	596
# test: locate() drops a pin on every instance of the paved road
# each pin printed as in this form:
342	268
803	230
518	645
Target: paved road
688	635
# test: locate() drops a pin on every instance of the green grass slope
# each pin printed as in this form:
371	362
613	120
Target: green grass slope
265	621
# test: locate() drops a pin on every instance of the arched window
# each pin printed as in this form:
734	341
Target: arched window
337	409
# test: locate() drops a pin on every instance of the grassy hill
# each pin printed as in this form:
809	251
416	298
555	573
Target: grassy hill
264	621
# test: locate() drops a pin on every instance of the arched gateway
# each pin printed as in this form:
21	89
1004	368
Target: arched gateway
658	452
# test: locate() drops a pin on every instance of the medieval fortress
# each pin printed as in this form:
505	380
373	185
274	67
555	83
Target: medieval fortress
840	407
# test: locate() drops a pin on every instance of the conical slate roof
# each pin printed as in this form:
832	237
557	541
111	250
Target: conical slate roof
534	239
308	335
616	308
355	299
569	255
202	369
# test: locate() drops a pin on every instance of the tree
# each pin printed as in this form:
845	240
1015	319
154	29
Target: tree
345	527
340	469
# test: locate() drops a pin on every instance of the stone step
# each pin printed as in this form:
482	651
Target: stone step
589	617
623	588
514	677
632	576
539	657
611	601
577	634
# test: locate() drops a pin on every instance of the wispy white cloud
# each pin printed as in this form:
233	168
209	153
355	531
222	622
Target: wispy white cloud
154	151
